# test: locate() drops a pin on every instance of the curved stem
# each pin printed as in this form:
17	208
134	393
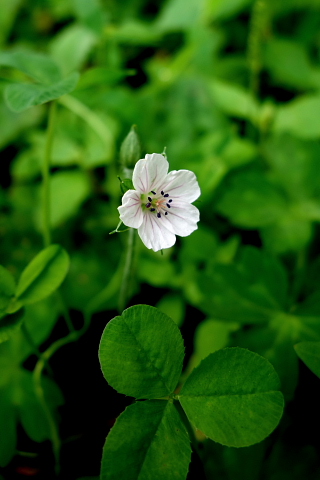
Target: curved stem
107	292
65	311
37	374
46	174
88	115
34	347
127	272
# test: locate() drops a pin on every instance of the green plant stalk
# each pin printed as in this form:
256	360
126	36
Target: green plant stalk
46	174
65	311
34	347
258	24
54	432
127	271
37	373
87	115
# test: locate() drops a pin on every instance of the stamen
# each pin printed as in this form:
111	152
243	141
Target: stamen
159	215
169	206
148	205
150	199
152	209
166	213
170	200
161	192
166	195
154	193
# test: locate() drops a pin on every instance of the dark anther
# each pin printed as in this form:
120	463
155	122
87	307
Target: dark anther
150	199
152	209
154	193
166	213
169	206
158	215
148	205
161	192
170	200
166	195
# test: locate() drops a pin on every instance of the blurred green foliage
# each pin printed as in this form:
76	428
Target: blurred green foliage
231	88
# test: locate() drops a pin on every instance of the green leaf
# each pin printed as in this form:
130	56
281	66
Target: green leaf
147	441
309	352
126	185
174	16
20	96
92	14
13	124
211	335
71	47
234	100
39	319
38	66
288	62
32	415
233	397
141	353
251	200
68	190
248	291
43	275
10	324
173	304
221	9
289	234
300	117
7	288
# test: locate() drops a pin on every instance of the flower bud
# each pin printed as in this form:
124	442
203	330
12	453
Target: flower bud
130	149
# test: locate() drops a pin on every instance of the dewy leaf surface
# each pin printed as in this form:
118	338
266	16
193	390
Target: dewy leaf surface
233	397
43	275
148	442
20	96
141	353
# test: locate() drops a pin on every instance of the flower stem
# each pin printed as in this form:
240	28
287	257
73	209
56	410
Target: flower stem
127	271
46	174
258	25
88	115
65	311
37	375
34	347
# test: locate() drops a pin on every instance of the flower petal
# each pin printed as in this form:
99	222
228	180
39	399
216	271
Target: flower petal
130	211
182	218
149	173
154	234
182	184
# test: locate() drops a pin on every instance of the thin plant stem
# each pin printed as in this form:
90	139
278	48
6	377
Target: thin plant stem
127	271
258	23
46	174
107	292
34	347
88	115
37	375
65	311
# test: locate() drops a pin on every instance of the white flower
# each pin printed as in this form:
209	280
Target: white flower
160	206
